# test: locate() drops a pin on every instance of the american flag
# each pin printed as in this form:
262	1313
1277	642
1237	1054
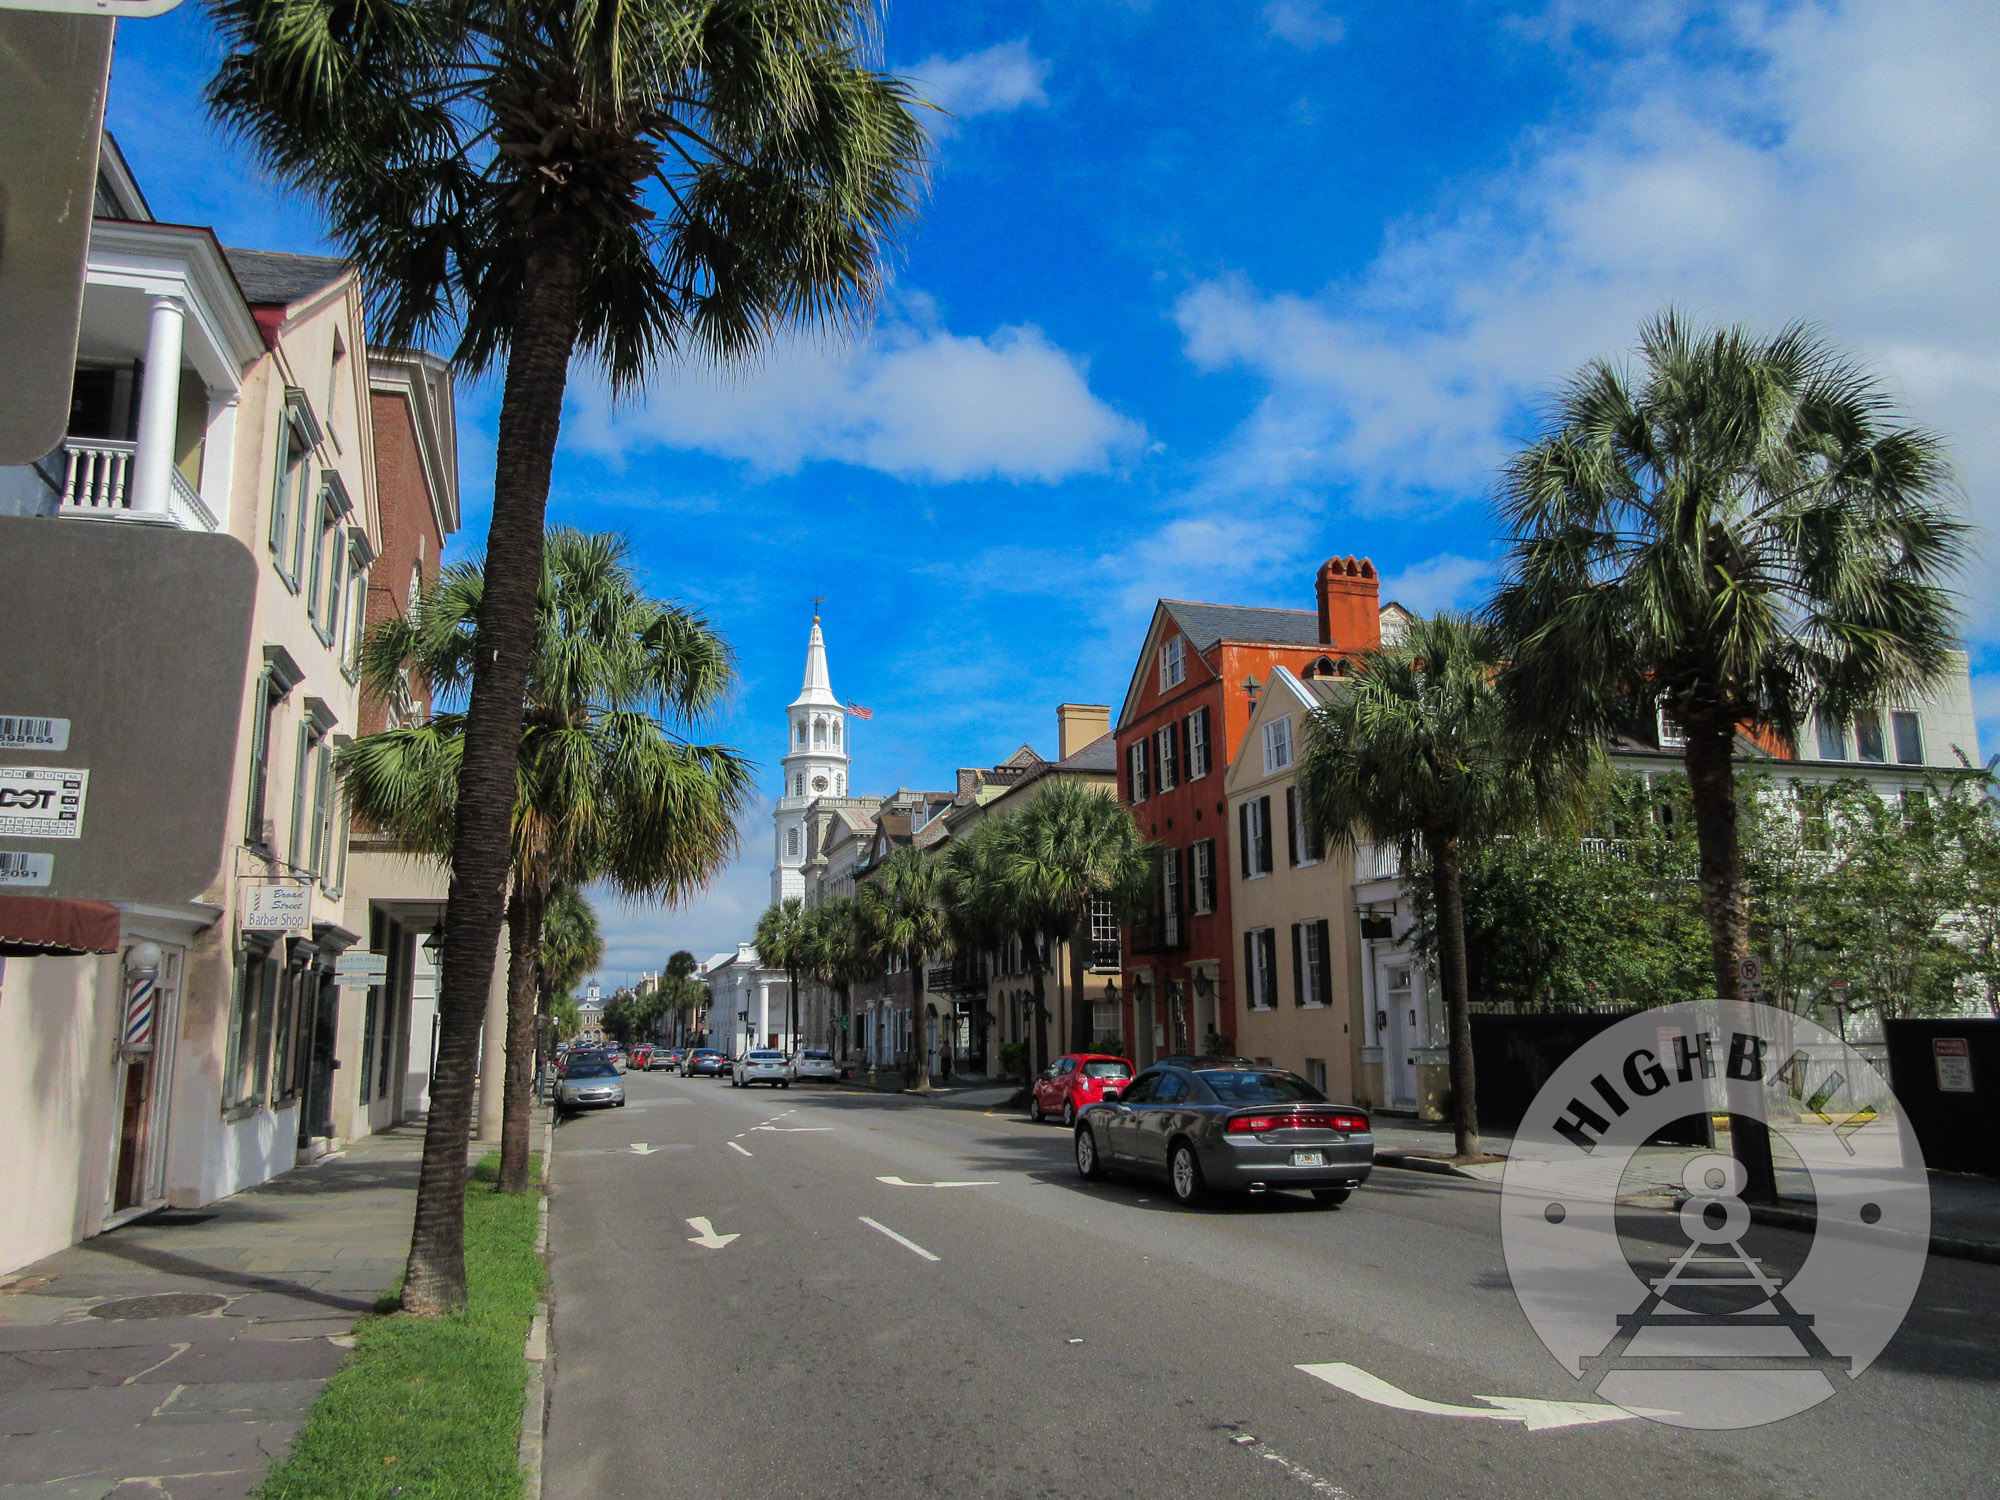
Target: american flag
858	711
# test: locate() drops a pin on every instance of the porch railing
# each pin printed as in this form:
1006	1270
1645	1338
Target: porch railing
97	482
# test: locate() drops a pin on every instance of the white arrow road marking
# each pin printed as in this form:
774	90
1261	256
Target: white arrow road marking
705	1236
640	1148
898	1182
734	1147
906	1244
1535	1414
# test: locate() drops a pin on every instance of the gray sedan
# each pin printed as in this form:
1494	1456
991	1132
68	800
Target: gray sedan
1227	1127
589	1085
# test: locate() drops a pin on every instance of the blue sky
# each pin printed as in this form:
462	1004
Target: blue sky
1205	292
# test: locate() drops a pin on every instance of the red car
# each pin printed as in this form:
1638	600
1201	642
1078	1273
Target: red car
1075	1080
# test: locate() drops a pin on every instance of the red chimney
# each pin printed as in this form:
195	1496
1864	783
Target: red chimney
1350	604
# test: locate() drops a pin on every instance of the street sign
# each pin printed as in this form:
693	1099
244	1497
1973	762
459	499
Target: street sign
356	964
277	906
1750	974
1953	1056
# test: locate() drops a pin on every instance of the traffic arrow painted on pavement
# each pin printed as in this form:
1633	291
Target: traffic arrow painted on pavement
705	1236
1531	1412
898	1182
640	1148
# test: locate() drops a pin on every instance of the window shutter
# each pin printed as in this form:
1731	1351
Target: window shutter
1188	768
1243	837
1208	877
1292	825
1269	937
1264	851
1298	963
1250	969
1325	977
1207	742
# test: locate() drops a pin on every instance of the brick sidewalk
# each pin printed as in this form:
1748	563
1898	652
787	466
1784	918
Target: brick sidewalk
175	1358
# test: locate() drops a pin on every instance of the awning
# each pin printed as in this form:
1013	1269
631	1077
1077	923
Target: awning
32	926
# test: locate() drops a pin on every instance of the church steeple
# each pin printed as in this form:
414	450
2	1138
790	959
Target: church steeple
815	763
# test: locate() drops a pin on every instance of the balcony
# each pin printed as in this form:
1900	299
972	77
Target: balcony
1159	934
97	485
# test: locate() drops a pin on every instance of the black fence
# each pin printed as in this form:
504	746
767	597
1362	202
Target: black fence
1946	1075
1514	1055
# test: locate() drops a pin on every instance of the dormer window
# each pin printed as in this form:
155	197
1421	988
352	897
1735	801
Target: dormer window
1672	735
1173	663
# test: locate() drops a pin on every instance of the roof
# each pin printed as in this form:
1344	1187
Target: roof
1205	624
271	277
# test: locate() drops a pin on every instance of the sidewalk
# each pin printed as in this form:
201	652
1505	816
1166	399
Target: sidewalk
175	1358
1965	1209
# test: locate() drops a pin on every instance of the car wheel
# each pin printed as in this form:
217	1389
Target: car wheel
1184	1172
1331	1197
1069	1113
784	1084
1034	1109
1089	1165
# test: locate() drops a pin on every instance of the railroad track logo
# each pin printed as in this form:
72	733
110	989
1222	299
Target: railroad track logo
1710	1318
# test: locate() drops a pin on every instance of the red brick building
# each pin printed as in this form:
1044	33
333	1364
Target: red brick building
1182	723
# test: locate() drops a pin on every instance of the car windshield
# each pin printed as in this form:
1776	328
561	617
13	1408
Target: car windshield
1241	1086
818	1056
1104	1069
593	1070
706	1052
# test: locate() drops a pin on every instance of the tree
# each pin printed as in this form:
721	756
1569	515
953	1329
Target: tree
572	945
1733	536
567	1018
1417	752
989	900
780	940
902	915
646	179
833	956
602	789
1078	847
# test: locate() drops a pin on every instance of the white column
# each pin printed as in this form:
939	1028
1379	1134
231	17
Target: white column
159	410
218	454
763	1012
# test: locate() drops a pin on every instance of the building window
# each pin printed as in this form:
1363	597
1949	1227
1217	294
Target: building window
269	693
1312	976
802	731
1909	738
357	609
1201	876
1173	663
1198	757
1316	1073
1671	735
792	842
1168	740
1172	895
312	800
250	1005
1135	769
834	730
1278	744
1868	736
1303	845
1832	739
1253	826
1104	950
819	731
1260	968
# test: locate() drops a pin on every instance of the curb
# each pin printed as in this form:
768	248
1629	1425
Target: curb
535	1409
1441	1166
1949	1246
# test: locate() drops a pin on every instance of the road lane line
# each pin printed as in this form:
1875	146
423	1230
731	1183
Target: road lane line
906	1244
1303	1475
898	1182
734	1147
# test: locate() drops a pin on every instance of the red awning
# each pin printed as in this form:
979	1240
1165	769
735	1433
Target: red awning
47	925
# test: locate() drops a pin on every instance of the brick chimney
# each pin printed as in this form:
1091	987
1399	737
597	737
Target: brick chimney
969	781
1350	604
1078	724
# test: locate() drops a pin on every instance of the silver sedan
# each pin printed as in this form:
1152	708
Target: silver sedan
589	1085
1227	1127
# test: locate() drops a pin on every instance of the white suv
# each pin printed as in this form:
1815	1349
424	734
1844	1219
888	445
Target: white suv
761	1067
815	1064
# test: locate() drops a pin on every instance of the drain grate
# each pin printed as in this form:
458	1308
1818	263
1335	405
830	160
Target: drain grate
164	1305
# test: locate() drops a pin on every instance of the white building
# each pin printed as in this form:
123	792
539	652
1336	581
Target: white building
747	1002
815	765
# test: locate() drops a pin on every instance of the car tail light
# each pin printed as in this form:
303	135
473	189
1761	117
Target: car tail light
1305	1119
1253	1124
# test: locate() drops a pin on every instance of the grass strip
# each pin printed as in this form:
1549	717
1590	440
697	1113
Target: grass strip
432	1406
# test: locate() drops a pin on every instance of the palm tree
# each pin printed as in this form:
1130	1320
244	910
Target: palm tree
834	954
990	897
1078	848
1418	752
903	916
780	941
572	945
639	180
1733	536
601	788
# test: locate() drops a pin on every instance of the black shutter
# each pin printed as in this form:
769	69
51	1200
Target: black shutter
1188	772
1207	742
1292	825
1208	885
1325	986
1250	969
1243	815
1270	940
1180	880
1264	850
1298	963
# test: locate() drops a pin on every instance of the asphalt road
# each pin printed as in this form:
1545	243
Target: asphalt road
1038	1336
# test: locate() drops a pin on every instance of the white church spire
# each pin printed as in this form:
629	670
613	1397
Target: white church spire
817	691
815	765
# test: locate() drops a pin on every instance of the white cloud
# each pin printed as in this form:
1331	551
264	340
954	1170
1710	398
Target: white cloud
1842	165
920	403
1303	23
1442	582
997	80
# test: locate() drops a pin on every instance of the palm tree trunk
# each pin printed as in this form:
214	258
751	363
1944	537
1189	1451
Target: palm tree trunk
544	336
1040	972
1449	895
920	1033
524	939
1725	906
1081	1032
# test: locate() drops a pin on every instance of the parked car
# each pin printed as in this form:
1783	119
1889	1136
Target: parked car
705	1062
666	1058
592	1084
762	1065
1074	1082
815	1064
641	1059
1227	1128
577	1055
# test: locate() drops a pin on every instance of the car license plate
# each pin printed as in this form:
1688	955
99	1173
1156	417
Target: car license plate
1308	1158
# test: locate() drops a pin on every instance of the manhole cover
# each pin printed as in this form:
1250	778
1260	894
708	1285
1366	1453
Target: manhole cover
165	1305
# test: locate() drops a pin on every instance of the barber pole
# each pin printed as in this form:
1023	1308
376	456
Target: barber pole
140	992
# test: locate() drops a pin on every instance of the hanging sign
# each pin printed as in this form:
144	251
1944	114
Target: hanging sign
280	906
